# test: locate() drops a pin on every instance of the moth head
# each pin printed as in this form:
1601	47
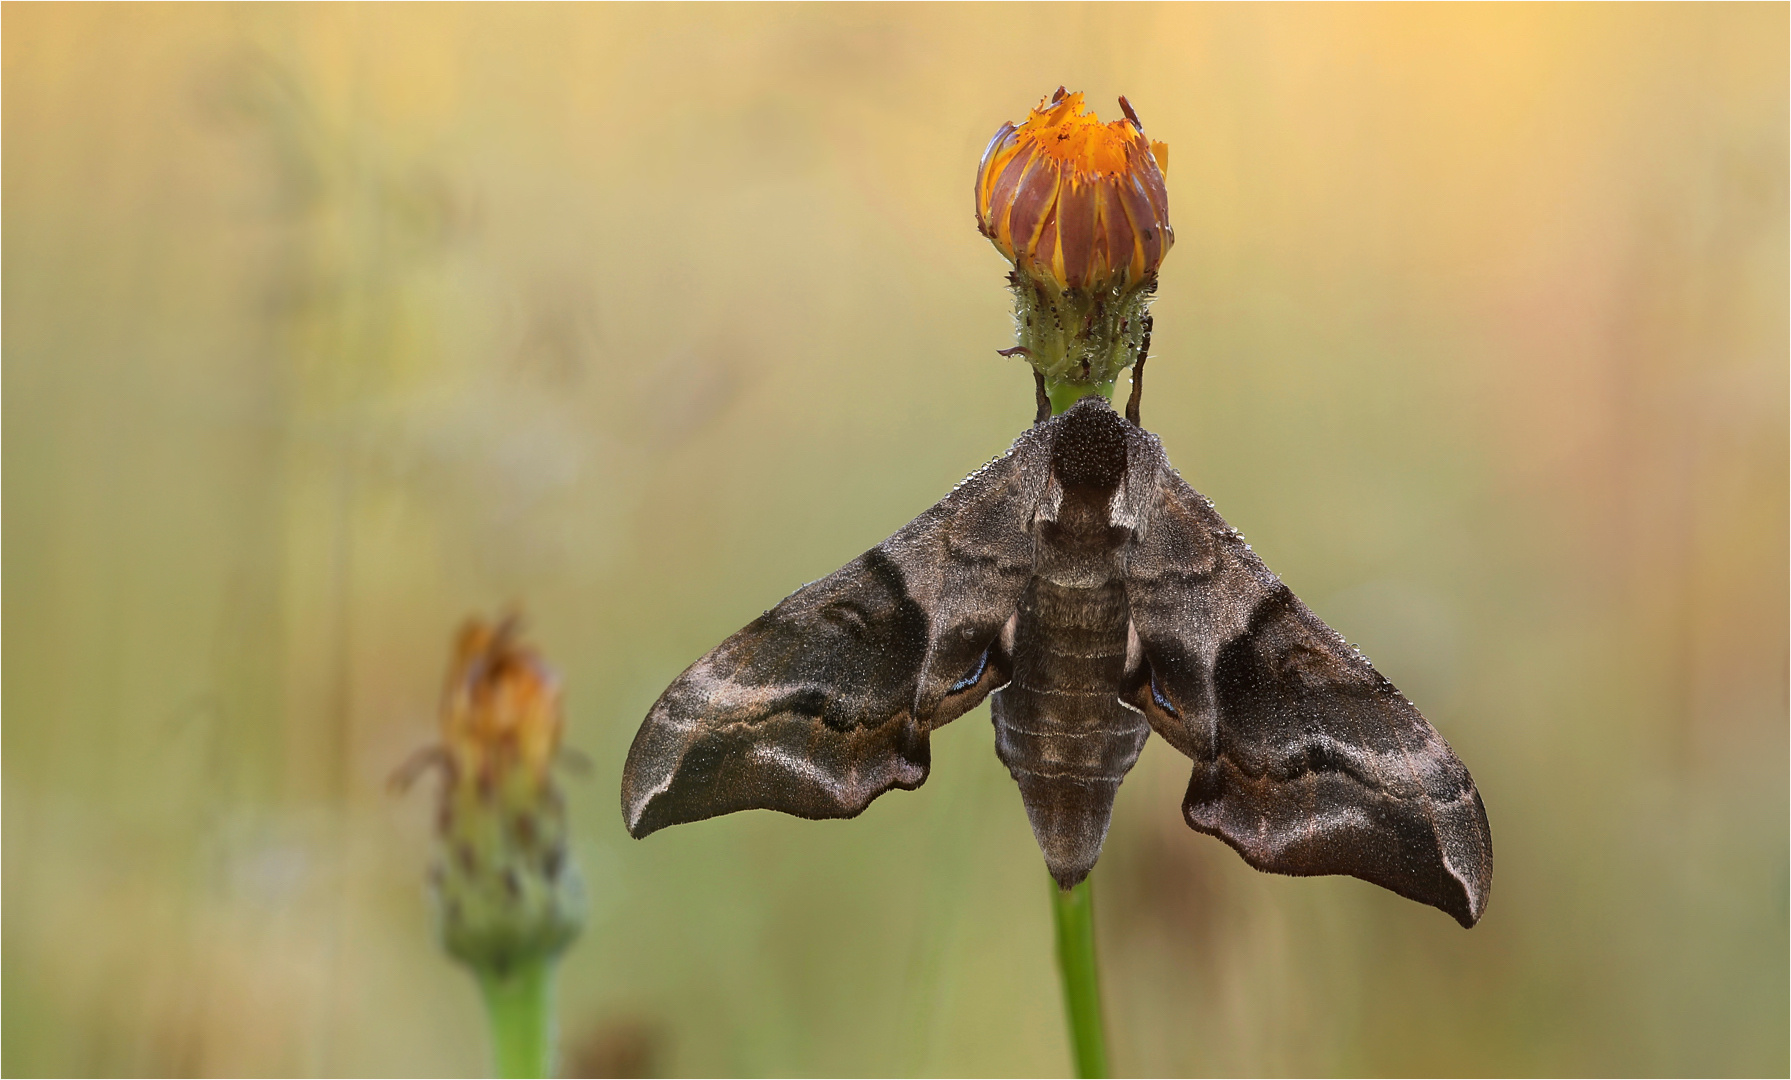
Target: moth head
1090	448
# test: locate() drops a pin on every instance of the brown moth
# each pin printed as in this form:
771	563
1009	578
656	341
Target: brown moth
1098	597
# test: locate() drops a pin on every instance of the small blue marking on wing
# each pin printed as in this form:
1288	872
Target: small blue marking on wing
970	680
1157	695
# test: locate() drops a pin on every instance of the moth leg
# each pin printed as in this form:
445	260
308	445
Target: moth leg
1044	399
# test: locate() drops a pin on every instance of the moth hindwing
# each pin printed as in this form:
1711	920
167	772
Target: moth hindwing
1080	580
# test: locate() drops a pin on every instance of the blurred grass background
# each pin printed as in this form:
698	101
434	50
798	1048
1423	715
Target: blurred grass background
326	326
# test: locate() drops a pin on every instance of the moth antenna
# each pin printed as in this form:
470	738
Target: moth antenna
1138	371
1044	399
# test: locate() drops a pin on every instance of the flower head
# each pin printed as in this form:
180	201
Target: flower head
501	705
1073	202
506	891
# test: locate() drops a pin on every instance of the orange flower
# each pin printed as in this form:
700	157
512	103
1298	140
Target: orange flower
501	706
1074	202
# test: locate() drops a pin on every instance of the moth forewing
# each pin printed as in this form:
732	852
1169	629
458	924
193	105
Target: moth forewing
972	581
825	701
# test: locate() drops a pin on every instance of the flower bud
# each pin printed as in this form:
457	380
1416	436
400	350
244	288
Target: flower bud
1080	208
505	889
1075	203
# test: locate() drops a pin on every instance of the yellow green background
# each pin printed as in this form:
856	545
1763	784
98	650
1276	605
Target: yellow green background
326	326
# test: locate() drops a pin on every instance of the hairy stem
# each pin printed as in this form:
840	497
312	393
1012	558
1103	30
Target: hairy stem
519	1004
1074	911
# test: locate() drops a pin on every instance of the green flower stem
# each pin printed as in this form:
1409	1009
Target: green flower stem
1066	392
520	1004
1074	911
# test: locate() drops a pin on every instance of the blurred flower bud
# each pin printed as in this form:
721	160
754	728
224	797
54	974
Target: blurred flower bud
506	892
1080	208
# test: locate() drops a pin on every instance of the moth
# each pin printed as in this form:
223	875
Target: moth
1098	597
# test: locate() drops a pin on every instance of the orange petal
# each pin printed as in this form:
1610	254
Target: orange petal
1001	197
1147	251
1048	255
1076	227
1154	186
1116	231
999	149
1033	203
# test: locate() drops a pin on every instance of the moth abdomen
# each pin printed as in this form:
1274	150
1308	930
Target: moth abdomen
1059	726
1068	753
1101	744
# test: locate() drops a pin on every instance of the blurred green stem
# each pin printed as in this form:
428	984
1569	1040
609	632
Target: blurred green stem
1074	911
520	1005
